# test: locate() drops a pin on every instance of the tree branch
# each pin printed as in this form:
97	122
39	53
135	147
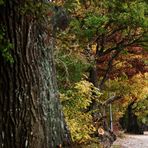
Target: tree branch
109	68
111	100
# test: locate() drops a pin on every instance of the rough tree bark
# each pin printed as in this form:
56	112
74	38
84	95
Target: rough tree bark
30	112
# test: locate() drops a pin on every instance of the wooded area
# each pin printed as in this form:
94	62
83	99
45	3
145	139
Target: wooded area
73	73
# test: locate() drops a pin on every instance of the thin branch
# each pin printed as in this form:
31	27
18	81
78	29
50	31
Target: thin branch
116	30
109	50
111	100
120	46
109	68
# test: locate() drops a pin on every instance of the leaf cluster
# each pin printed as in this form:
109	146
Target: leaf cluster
5	47
75	103
133	90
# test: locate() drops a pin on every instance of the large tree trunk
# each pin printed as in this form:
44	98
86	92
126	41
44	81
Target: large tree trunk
30	112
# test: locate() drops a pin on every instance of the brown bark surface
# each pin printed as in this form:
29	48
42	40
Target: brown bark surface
30	112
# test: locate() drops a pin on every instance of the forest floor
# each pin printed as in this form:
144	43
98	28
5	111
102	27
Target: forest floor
132	141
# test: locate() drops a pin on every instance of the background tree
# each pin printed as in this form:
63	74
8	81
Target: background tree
100	34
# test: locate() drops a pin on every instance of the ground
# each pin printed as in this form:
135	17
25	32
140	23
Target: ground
132	141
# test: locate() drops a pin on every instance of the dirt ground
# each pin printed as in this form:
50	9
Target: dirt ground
132	141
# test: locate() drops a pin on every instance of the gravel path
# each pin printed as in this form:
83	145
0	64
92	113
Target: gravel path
132	141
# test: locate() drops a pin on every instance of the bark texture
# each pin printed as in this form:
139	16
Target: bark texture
30	112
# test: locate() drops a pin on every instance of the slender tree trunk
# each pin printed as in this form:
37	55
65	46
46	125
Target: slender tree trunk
93	78
30	112
132	123
129	121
